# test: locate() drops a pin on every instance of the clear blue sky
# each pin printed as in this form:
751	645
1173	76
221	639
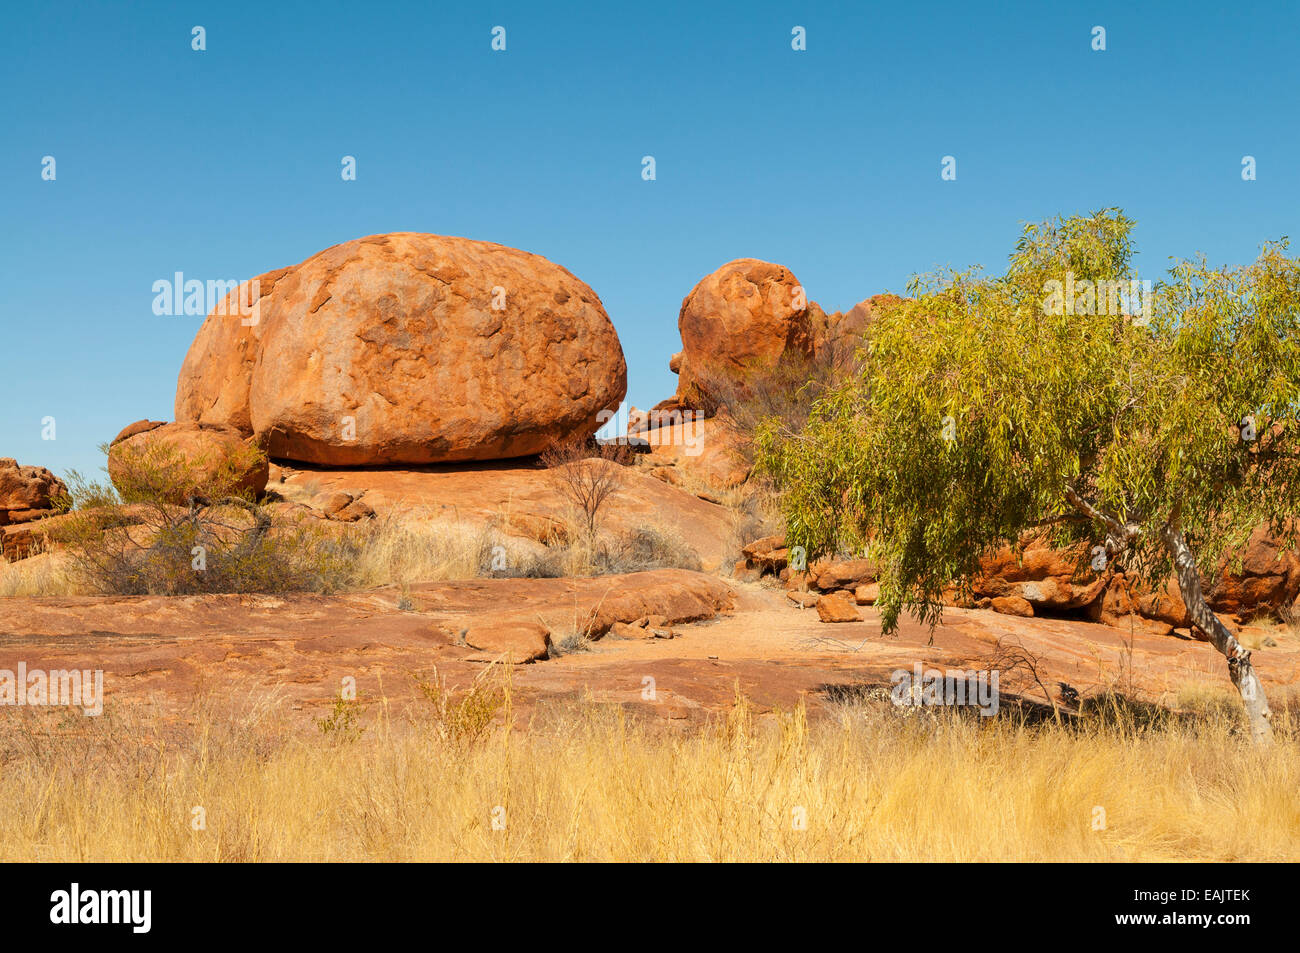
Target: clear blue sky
225	163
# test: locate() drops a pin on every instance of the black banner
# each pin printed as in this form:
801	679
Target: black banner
338	903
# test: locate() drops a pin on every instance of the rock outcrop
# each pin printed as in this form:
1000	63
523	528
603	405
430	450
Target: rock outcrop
836	337
27	492
1043	577
517	499
698	451
748	319
407	349
1040	580
750	315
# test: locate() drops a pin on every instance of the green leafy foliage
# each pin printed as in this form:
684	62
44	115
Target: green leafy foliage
988	407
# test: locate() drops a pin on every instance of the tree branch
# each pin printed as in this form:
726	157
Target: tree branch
1121	533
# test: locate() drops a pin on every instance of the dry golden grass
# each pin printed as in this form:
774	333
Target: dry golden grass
389	550
44	574
585	782
416	547
402	549
1267	632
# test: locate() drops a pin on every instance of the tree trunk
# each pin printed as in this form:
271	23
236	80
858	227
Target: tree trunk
1240	669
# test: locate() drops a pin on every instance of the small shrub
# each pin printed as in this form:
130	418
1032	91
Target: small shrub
86	494
218	542
161	473
467	717
575	641
778	397
341	723
646	548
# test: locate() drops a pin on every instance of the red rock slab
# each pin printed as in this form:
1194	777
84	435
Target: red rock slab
292	653
515	495
707	450
165	651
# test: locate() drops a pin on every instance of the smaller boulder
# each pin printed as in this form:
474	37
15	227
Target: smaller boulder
354	512
517	641
330	503
173	462
867	594
765	545
1012	605
843	573
796	579
836	608
741	319
631	630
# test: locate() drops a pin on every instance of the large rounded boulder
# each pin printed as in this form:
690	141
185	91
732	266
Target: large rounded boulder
407	349
737	321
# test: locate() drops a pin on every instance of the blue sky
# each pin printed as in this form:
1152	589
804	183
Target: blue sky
226	163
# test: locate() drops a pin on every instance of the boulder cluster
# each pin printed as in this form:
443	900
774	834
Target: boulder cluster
27	493
748	316
399	349
409	349
1035	579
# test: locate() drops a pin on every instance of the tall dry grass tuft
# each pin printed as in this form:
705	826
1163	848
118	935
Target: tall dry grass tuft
417	547
586	782
41	574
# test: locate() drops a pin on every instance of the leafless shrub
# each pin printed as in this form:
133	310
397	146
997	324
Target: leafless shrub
586	476
1012	660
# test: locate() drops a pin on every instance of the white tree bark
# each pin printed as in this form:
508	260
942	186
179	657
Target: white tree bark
1240	669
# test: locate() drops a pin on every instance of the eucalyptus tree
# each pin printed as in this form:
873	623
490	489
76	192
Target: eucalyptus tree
1155	421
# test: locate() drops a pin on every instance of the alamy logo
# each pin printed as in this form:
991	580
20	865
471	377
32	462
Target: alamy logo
56	687
73	906
178	296
1110	297
932	687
